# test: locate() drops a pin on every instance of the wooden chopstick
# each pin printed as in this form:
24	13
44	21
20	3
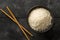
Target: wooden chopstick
7	14
11	13
16	23
15	20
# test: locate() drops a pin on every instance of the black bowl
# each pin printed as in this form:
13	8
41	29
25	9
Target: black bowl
35	7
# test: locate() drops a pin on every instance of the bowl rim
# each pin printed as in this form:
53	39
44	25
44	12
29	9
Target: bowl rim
35	7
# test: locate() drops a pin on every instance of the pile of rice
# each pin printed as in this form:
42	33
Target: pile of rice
40	19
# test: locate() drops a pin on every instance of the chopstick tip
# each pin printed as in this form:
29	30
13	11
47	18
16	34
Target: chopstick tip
0	9
6	6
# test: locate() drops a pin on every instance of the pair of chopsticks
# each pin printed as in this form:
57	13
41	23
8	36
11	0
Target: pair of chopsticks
13	18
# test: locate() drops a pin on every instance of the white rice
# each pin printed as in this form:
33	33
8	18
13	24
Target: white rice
39	19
